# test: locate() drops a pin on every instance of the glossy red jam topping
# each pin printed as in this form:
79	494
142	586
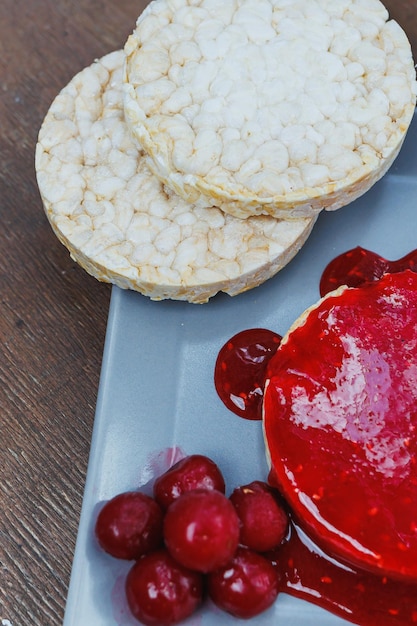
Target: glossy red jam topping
239	374
340	424
358	266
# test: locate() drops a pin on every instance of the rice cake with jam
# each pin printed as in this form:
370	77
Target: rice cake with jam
340	424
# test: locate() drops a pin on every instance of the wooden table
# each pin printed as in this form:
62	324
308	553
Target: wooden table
53	315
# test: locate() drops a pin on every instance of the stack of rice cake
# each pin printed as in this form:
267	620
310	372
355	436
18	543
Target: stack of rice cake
197	159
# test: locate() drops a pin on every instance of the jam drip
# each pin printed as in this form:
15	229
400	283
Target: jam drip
358	266
359	597
240	371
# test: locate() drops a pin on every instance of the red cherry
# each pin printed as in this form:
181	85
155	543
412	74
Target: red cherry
263	520
201	529
129	525
193	472
246	586
239	373
160	591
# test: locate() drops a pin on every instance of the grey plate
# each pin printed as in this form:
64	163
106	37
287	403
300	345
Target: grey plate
157	394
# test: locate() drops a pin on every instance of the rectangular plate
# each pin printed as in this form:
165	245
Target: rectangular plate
157	393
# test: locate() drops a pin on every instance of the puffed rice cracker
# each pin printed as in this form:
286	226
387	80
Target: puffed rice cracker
120	223
280	107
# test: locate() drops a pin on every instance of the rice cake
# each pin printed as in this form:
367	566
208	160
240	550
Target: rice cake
122	225
269	106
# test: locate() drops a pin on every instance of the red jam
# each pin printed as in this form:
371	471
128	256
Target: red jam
239	374
358	266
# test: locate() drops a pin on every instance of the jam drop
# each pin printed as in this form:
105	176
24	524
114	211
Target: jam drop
240	370
358	266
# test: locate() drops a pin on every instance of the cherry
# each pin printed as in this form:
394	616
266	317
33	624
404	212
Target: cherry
263	520
192	472
129	525
246	586
201	529
239	373
160	591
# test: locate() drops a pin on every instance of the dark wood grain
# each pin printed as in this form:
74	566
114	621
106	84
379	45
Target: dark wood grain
53	315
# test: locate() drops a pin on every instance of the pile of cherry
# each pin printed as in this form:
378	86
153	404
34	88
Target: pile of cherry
190	540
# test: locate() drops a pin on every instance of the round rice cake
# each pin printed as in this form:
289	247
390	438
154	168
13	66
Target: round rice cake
122	225
269	106
340	423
